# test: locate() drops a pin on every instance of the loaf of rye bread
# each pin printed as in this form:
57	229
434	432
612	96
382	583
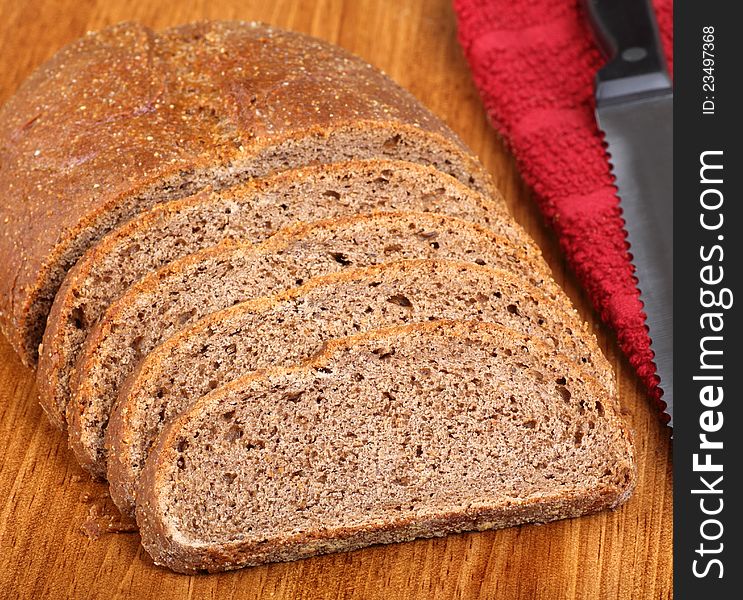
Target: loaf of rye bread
223	204
126	118
251	212
182	292
292	326
416	431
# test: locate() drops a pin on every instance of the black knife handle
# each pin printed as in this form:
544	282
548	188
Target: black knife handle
628	34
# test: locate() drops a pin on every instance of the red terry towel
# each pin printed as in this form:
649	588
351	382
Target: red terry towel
534	62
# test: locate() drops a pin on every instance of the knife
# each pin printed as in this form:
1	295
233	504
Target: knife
634	109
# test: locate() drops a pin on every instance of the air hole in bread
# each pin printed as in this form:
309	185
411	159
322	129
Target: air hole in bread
513	309
293	396
77	316
332	194
137	344
383	353
578	438
185	317
234	433
391	143
133	249
564	392
537	375
400	300
340	258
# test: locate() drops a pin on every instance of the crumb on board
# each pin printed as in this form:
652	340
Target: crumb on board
103	519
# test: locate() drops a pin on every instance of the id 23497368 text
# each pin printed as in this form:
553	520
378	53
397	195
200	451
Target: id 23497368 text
708	70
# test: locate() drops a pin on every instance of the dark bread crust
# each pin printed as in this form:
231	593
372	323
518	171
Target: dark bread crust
126	118
162	542
157	236
127	428
168	553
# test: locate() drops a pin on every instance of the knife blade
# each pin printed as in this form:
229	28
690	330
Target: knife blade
634	109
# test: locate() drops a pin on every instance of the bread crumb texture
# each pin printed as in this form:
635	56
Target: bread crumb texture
399	433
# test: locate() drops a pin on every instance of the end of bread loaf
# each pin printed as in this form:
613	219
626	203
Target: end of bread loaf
195	117
415	431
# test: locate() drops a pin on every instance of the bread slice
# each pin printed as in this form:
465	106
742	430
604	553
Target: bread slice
181	293
290	327
252	212
416	431
126	118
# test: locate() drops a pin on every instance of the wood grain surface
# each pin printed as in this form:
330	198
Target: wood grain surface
46	500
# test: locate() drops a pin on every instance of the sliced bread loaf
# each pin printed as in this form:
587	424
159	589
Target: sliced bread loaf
251	212
126	118
416	431
186	290
290	327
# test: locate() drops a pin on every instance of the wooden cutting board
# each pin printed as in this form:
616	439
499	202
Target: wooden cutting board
46	500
